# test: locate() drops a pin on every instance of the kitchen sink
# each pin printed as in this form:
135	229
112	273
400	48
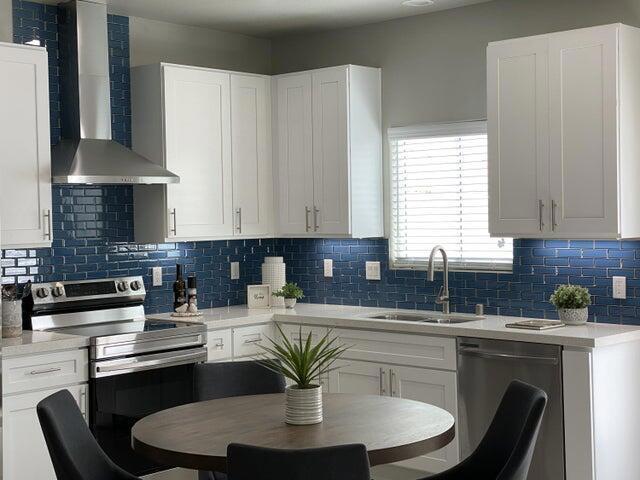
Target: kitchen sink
426	317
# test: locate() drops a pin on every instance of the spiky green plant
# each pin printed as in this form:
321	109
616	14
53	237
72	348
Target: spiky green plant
301	361
570	296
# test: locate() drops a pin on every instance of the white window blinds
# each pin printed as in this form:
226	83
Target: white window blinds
439	195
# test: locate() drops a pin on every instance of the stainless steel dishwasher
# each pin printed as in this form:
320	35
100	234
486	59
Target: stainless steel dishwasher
485	368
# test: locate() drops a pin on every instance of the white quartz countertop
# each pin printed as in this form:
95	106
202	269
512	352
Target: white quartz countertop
589	335
41	342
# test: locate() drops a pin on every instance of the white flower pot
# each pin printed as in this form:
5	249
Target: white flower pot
573	316
290	302
303	406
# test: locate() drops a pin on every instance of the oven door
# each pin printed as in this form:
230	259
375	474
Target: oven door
124	390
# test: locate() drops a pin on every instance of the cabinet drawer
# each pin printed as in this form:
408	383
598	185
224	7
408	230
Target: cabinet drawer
48	370
219	345
292	332
399	348
247	339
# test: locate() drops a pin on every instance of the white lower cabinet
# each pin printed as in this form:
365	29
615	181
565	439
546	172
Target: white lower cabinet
293	332
25	453
247	340
219	345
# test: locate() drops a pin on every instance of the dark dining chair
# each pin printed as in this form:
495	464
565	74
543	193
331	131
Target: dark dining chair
233	379
506	450
74	451
342	462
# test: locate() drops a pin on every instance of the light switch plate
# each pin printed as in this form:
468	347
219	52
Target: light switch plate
328	267
235	270
157	276
372	270
619	287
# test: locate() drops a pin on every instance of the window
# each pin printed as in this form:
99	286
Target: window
439	196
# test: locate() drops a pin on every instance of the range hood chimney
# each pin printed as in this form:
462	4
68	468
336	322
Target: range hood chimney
87	153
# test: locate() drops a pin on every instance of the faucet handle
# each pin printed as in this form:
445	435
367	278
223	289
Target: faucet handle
441	296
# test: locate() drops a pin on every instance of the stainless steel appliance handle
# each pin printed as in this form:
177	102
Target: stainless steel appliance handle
239	213
315	218
47	215
540	209
46	370
172	213
383	374
168	359
307	211
506	356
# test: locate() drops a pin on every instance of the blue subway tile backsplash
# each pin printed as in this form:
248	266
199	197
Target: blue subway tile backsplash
93	238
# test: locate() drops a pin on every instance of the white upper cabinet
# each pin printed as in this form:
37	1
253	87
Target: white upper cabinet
329	153
564	161
251	155
212	128
25	162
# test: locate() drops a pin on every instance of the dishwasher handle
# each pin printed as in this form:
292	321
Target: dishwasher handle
472	352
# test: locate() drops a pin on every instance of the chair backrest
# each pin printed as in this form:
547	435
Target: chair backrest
343	462
74	451
505	451
233	379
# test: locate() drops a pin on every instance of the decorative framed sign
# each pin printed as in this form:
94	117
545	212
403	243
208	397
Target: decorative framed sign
258	296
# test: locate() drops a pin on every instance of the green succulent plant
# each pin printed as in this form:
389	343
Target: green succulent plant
289	290
301	361
570	296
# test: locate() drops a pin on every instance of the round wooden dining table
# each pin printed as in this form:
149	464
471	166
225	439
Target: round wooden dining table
196	435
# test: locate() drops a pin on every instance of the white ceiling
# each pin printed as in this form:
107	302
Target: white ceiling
269	18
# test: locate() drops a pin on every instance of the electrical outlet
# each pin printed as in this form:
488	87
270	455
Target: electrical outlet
619	287
235	270
372	270
157	276
328	267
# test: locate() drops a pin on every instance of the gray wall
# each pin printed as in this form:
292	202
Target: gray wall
152	41
6	21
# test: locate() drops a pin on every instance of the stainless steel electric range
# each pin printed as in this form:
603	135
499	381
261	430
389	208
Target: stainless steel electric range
136	366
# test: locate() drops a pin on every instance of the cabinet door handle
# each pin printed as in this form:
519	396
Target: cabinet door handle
553	215
174	230
540	209
383	376
307	211
392	377
45	370
315	218
47	217
83	402
239	213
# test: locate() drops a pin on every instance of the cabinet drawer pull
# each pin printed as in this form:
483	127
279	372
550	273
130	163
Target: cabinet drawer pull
307	211
174	230
540	209
315	218
253	340
47	217
46	370
383	375
219	345
553	215
83	402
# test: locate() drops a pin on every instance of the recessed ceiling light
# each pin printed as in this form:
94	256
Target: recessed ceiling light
418	3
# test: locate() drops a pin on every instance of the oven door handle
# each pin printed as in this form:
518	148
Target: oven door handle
138	364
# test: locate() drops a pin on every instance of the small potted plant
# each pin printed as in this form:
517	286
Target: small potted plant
291	293
303	363
572	302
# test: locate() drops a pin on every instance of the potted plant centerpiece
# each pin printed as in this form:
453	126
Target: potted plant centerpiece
572	302
302	362
291	293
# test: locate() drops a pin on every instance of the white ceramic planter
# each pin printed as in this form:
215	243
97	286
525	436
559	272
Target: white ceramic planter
290	302
573	316
303	406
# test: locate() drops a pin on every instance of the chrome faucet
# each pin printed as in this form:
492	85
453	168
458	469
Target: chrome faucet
443	294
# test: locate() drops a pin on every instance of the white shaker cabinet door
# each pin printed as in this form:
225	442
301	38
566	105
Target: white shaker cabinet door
295	154
198	149
25	162
584	131
25	453
330	152
251	155
434	387
365	378
518	134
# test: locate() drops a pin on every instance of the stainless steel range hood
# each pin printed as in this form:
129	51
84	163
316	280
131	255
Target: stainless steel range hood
87	153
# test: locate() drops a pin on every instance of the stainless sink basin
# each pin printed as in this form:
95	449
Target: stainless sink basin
425	317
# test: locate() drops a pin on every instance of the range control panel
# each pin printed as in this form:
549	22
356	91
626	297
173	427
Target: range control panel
55	292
